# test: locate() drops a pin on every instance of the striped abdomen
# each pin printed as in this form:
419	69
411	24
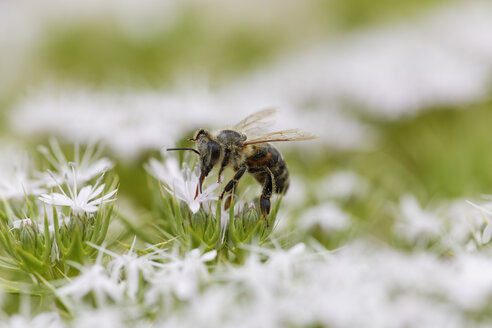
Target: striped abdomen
264	156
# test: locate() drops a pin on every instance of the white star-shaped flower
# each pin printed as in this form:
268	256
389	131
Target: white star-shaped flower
93	279
128	267
88	164
84	201
181	183
180	276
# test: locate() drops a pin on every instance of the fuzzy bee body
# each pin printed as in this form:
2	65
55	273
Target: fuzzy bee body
267	156
256	157
233	148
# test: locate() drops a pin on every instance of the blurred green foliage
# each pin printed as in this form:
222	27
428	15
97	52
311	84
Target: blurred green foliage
442	153
200	39
352	14
100	53
438	155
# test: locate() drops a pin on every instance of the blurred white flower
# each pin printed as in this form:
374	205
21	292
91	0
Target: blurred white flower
463	223
18	185
411	65
409	71
416	225
362	284
183	183
83	168
130	265
341	185
17	224
39	222
95	280
43	320
483	233
131	123
284	264
298	192
328	216
102	317
472	281
128	123
15	176
181	276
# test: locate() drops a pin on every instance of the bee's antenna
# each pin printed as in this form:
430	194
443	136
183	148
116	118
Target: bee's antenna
193	150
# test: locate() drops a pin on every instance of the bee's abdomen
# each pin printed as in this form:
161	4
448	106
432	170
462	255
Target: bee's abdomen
265	155
281	175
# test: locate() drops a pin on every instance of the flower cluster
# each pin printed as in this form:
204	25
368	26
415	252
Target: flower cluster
44	230
206	222
361	284
182	184
207	274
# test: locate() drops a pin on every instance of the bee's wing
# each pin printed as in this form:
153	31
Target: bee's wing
257	122
285	135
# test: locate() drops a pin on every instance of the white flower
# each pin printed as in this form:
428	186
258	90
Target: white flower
87	166
47	319
16	224
415	224
62	221
15	180
483	237
328	216
181	183
342	185
18	186
463	223
131	265
278	270
181	276
94	280
100	318
84	201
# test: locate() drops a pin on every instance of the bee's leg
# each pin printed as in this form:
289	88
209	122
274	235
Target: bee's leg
266	194
232	184
225	161
228	201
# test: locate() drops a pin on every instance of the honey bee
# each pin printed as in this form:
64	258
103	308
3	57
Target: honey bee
236	149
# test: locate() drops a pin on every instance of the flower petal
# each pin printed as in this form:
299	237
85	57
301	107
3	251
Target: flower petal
83	196
96	192
209	256
487	234
194	206
56	199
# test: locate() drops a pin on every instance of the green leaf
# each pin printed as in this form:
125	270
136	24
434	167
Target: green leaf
47	240
97	227
8	209
30	262
24	288
104	229
7	240
179	220
218	223
8	263
76	251
58	239
233	231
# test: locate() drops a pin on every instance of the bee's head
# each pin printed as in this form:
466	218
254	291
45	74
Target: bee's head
209	150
